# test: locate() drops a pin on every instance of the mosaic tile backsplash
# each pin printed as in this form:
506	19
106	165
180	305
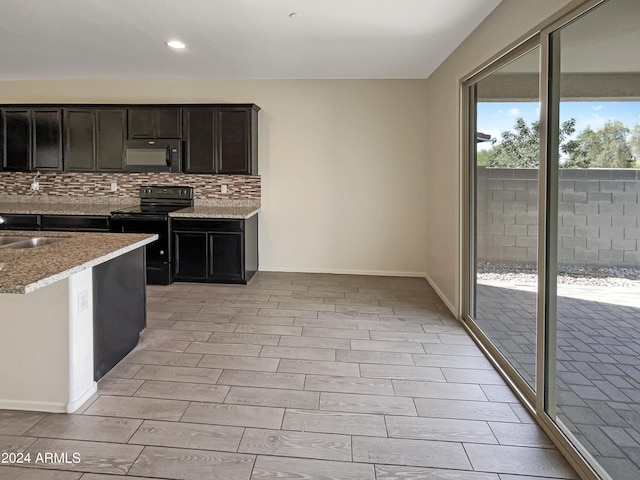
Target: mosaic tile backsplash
97	186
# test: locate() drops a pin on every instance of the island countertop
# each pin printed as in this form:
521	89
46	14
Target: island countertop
28	269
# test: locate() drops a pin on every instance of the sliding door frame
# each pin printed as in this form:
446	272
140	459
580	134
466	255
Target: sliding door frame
541	403
469	237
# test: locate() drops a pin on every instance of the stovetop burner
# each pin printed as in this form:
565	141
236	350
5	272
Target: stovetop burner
150	209
160	200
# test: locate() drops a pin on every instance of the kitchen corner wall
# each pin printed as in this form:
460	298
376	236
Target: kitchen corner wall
343	165
97	186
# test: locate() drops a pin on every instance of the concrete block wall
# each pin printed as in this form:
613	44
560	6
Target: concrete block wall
598	216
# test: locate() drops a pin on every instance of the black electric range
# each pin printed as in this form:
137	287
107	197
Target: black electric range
152	216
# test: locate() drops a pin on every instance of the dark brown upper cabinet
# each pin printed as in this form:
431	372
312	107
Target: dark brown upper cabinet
155	122
222	140
110	139
94	139
32	139
216	138
79	140
200	148
16	144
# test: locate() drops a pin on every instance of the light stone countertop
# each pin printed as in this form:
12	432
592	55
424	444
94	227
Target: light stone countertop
28	269
45	208
218	211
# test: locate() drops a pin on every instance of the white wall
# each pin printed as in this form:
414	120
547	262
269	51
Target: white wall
46	339
506	24
343	162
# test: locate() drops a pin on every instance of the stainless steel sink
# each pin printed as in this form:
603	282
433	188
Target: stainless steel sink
27	242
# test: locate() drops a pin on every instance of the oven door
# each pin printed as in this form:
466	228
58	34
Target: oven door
158	253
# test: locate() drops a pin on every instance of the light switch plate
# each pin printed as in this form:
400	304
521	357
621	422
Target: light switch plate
83	300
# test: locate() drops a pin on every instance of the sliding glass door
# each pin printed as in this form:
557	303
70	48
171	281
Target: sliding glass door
505	172
553	229
594	174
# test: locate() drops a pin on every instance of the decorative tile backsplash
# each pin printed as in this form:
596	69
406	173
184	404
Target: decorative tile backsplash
97	186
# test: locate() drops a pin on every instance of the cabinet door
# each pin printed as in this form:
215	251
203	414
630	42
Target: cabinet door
75	223
155	123
225	256
110	137
12	221
233	140
17	140
79	140
167	123
47	140
141	123
199	128
190	262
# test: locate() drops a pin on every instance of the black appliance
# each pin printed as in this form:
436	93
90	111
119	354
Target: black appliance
152	216
156	155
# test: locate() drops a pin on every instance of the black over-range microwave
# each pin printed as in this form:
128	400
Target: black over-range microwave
159	155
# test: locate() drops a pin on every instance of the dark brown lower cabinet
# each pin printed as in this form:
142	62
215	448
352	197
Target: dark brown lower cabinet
66	223
119	309
190	258
19	221
215	250
75	223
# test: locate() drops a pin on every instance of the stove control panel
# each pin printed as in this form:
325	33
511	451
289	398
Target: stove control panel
166	192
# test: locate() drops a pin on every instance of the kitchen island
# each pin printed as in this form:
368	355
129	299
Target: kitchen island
69	306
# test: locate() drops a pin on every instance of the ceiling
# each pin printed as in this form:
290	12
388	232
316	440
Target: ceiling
48	39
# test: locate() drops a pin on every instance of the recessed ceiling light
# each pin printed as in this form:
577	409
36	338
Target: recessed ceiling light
177	44
295	16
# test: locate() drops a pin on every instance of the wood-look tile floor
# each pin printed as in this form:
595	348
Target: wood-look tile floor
295	376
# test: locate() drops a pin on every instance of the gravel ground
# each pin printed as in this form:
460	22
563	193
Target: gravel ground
567	274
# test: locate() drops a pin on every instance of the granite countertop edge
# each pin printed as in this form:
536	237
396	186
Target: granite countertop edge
17	287
199	210
91	263
202	211
35	208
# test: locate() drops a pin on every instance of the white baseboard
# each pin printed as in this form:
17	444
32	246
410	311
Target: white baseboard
78	402
374	273
444	299
51	407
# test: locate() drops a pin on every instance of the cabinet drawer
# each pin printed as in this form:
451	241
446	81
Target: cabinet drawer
87	223
20	222
214	225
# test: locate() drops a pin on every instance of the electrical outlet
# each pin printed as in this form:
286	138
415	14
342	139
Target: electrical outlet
83	300
114	186
35	186
223	188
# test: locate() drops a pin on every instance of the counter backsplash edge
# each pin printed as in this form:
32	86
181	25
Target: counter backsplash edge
242	190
